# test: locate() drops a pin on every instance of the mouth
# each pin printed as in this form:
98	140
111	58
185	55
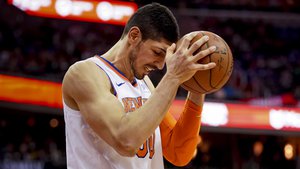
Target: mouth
149	69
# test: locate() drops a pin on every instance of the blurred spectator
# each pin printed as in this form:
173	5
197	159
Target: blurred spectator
266	72
30	142
266	55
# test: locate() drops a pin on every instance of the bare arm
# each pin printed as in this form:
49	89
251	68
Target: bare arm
198	99
105	114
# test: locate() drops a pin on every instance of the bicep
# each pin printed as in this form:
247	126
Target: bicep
90	88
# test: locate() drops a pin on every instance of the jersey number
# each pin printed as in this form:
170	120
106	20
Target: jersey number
148	146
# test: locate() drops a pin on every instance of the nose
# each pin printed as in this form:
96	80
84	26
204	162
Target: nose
159	64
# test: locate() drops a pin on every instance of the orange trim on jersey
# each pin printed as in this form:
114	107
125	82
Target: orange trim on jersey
112	68
180	139
143	151
151	145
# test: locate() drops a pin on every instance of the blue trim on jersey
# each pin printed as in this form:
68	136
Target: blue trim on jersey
133	83
146	83
115	93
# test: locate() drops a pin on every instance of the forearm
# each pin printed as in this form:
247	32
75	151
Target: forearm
198	99
188	125
180	140
140	124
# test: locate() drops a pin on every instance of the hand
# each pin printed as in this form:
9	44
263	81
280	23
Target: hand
182	64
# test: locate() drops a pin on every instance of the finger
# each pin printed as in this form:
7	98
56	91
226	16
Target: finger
171	50
203	53
187	40
207	66
196	45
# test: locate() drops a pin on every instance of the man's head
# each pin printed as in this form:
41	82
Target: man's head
155	22
150	31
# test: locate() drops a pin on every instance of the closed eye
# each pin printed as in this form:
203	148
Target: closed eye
157	53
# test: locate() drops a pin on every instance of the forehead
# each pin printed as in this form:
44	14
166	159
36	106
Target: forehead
162	44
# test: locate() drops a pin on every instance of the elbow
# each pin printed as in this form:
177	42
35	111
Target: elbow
180	162
126	152
126	149
180	157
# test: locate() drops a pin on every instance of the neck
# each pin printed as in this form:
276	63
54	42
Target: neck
119	56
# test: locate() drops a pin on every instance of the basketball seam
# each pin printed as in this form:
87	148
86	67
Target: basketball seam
200	84
189	88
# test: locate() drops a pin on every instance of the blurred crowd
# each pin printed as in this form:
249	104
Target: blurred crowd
33	141
266	5
266	54
30	142
27	155
266	69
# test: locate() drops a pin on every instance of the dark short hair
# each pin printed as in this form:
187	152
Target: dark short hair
155	22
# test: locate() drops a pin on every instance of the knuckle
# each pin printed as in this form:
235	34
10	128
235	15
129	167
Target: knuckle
193	34
182	52
203	67
187	39
179	52
200	54
190	67
197	44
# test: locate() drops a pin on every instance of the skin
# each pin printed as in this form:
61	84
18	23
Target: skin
84	90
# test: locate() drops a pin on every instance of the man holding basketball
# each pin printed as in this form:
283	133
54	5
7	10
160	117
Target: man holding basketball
115	118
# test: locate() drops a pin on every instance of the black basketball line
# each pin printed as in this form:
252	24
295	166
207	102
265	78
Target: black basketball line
210	74
200	84
189	88
227	47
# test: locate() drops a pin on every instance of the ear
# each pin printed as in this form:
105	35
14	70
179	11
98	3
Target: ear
134	35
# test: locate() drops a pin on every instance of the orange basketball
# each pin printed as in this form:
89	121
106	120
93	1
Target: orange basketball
209	81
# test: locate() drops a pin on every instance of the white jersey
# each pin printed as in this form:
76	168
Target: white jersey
86	150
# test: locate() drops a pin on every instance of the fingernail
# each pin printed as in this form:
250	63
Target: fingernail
206	37
213	48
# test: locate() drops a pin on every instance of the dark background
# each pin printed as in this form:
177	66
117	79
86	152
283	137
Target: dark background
264	36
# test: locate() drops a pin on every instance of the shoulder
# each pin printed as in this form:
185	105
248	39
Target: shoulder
82	77
85	69
81	67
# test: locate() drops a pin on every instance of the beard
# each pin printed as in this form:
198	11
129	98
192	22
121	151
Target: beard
133	62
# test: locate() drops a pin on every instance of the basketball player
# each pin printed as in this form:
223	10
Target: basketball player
115	118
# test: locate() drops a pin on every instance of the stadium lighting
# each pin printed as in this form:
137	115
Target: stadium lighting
288	151
258	148
110	12
284	118
223	115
